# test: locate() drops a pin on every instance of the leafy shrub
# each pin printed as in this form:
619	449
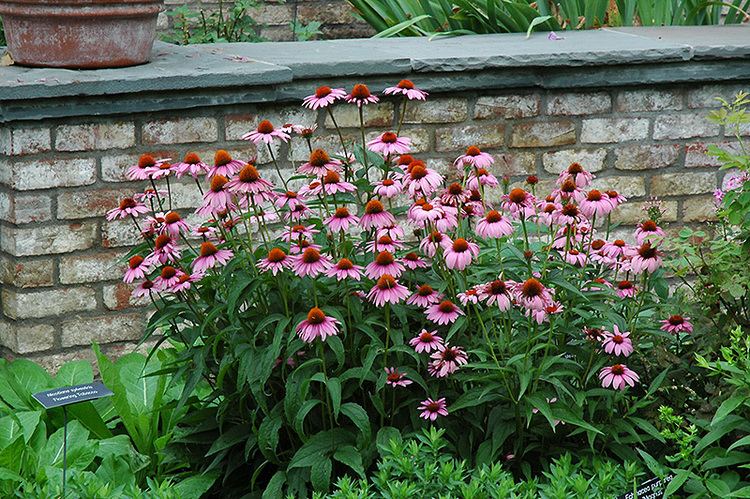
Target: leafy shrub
720	264
460	17
232	23
115	444
515	343
424	468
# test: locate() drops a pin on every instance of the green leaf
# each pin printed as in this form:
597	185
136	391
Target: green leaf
320	444
677	482
320	474
358	416
195	486
268	435
273	489
74	373
385	435
299	419
351	457
737	399
536	22
334	389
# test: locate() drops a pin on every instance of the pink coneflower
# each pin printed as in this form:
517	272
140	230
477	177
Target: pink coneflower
541	314
384	243
480	176
389	143
165	249
677	324
149	194
376	216
615	249
617	343
332	184
345	269
569	191
395	378
384	263
393	231
519	203
445	312
407	88
430	244
474	157
577	174
470	296
426	341
249	181
422	180
448	218
626	289
361	96
169	277
319	163
191	165
290	199
301	246
431	409
323	97
646	259
496	293
317	325
548	213
424	296
387	188
648	231
596	203
413	261
224	165
299	232
616	198
145	168
144	289
494	226
206	233
129	207
162	170
459	255
387	290
532	294
311	263
575	257
618	376
569	214
185	281
210	256
423	212
174	224
298	213
138	267
276	261
341	220
217	198
446	360
455	195
265	133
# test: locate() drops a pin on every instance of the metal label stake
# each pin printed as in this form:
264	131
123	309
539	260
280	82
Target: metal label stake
69	395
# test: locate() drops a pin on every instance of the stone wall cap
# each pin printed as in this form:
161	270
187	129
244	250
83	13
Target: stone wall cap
181	77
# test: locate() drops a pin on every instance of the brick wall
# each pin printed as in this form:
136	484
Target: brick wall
275	16
61	261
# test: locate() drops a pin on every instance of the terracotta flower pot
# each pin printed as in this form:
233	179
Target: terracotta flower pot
80	33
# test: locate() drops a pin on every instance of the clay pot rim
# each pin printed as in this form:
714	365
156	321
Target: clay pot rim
80	8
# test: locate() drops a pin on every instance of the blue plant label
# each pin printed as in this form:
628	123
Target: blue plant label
68	395
651	489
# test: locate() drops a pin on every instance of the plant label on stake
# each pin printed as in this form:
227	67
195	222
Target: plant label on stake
65	396
651	489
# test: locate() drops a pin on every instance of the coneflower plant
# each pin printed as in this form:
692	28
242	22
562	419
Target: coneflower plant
373	292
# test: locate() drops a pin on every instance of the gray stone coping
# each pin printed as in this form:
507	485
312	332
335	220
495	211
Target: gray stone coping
223	74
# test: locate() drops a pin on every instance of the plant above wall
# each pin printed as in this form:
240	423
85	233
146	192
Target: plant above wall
462	17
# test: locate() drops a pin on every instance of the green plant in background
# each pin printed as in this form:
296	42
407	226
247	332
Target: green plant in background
717	269
230	22
460	17
115	445
305	32
712	458
2	33
425	467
